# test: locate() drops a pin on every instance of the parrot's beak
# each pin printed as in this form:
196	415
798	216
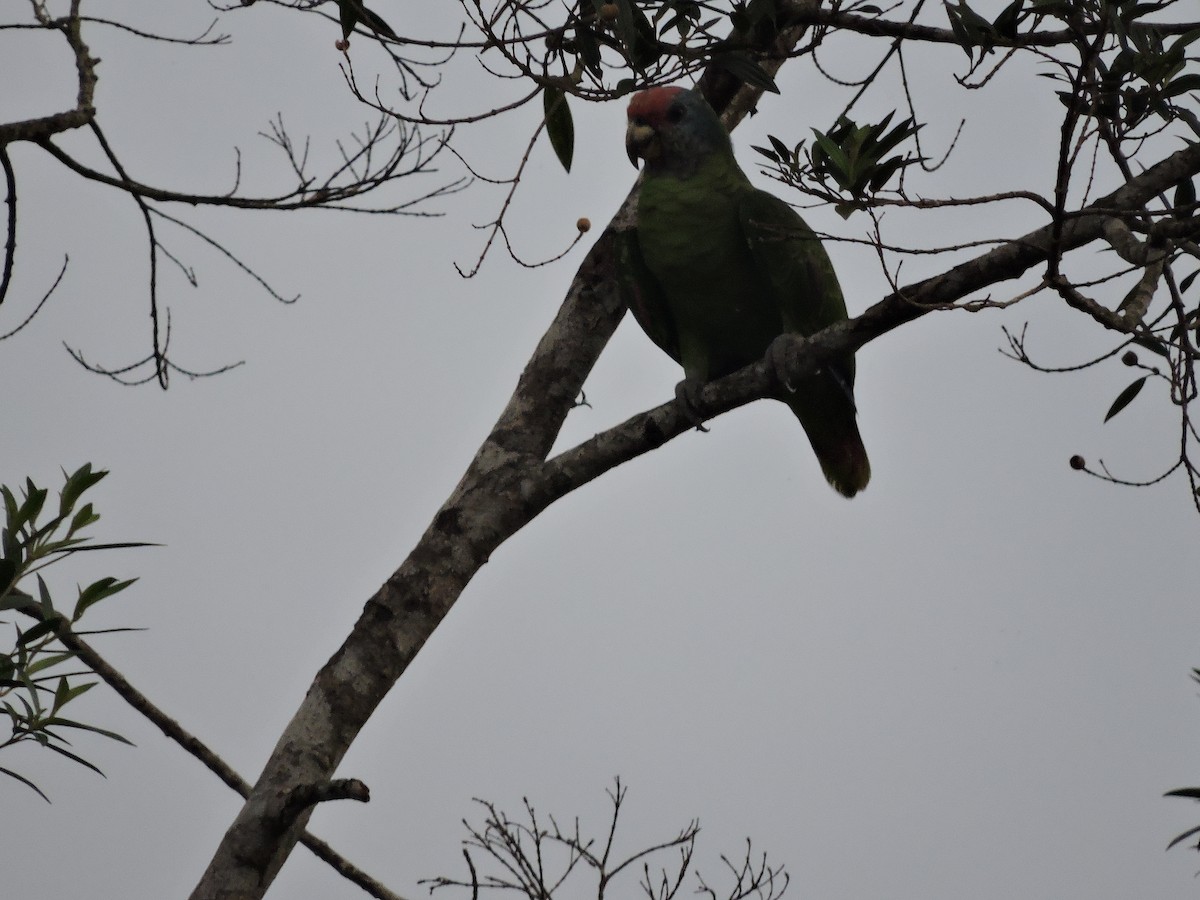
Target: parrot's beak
640	142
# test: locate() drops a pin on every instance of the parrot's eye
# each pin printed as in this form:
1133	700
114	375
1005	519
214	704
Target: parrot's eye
675	113
639	121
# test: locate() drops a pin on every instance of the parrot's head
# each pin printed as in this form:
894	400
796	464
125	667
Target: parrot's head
673	130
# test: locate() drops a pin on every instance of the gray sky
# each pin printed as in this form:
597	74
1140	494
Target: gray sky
969	681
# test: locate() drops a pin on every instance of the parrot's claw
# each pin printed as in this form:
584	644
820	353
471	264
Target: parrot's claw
780	353
687	395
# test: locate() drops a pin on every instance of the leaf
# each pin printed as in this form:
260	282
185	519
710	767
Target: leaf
1182	85
769	154
1006	22
376	24
746	70
589	48
77	482
637	34
1154	346
1193	792
16	599
836	162
25	781
781	149
1183	837
559	125
38	630
1126	397
1185	198
97	591
35	499
86	516
45	661
67	723
44	596
1187	282
76	757
348	16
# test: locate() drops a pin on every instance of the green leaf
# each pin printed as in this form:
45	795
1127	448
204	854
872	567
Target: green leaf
17	600
835	162
745	69
47	661
1183	837
1185	198
25	781
44	596
589	48
1187	282
1154	346
67	723
35	499
376	24
1006	22
780	148
40	629
559	125
61	693
348	15
637	34
86	516
1126	397
97	591
1182	85
8	572
10	504
77	482
769	154
76	757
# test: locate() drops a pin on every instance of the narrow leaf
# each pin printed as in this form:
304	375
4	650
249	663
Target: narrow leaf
559	125
1126	397
745	69
1183	837
76	757
348	15
25	781
376	24
77	482
67	723
96	592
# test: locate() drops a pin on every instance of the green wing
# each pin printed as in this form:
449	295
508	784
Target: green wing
795	264
802	283
643	295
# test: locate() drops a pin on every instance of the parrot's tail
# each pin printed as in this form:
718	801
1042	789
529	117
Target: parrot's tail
832	430
844	462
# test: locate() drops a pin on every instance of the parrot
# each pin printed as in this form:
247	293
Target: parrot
715	269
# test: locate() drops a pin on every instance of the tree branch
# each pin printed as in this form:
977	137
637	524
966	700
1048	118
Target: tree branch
91	658
508	483
85	67
499	494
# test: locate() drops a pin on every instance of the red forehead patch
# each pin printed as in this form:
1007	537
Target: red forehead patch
652	104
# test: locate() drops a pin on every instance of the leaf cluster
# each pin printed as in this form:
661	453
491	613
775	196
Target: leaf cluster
36	676
850	161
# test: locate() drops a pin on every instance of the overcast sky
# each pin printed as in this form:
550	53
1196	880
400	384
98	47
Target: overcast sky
971	681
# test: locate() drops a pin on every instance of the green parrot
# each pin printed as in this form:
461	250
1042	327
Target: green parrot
717	269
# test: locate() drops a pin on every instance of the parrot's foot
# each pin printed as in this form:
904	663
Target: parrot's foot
780	353
687	395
